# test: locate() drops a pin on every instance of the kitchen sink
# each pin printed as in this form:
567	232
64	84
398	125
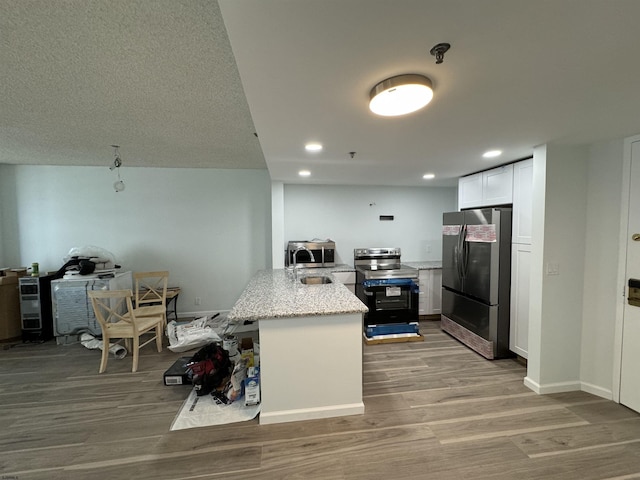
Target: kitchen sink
316	280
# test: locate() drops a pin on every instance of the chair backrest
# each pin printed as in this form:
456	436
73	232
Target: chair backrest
151	287
112	306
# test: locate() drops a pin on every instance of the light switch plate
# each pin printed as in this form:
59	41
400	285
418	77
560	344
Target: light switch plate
553	269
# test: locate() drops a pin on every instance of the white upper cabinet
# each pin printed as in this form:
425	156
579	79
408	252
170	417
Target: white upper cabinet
470	191
485	189
497	186
522	201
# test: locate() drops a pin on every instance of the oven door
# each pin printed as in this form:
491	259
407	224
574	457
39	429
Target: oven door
393	300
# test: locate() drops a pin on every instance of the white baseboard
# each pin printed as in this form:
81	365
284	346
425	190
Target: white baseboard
311	413
552	387
596	390
568	387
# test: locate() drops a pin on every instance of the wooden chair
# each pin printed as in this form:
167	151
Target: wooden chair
118	320
151	294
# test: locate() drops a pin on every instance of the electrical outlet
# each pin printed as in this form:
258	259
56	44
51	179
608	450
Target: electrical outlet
198	301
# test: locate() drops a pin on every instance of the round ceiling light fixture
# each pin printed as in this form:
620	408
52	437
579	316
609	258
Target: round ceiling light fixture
313	147
400	95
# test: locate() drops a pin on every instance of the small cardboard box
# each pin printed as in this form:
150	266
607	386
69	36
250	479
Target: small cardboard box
10	324
178	374
17	272
246	351
252	386
9	280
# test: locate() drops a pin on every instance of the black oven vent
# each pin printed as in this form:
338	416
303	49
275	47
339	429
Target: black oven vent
386	218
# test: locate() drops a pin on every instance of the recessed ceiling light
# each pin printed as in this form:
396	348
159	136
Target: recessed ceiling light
400	95
313	147
492	153
428	176
304	173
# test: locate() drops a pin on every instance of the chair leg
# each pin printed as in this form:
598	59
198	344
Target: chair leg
159	330
105	353
136	352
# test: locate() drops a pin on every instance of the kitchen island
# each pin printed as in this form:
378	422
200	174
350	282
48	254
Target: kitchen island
310	345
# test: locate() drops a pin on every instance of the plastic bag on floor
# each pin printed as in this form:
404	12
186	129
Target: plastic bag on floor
93	343
190	335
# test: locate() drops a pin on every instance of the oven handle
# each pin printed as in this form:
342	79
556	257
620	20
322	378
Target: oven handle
390	282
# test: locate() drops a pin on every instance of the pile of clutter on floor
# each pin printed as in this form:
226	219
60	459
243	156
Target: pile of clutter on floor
223	367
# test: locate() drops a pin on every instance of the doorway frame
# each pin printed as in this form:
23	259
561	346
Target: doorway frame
622	265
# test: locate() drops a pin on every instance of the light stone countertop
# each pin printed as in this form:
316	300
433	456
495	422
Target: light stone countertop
340	267
276	294
426	265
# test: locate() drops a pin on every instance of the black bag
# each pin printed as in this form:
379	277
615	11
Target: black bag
211	368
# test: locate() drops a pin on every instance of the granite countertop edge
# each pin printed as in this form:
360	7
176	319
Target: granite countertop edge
425	265
277	294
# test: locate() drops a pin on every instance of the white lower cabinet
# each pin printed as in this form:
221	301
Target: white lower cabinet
519	321
430	299
348	278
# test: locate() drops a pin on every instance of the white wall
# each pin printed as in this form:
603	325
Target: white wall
277	223
603	211
209	227
557	326
349	215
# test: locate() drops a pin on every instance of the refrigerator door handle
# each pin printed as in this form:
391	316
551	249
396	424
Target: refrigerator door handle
458	255
465	252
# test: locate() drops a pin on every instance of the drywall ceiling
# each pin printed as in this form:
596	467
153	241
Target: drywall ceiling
163	80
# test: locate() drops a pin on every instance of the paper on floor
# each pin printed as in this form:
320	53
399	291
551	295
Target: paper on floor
204	411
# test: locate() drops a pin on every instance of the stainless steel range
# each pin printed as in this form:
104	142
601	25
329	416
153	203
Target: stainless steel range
389	288
377	263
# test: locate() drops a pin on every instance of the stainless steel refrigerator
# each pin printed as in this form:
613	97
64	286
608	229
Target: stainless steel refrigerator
476	279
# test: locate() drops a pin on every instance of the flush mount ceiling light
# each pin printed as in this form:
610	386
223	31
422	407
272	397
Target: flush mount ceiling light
313	147
304	173
428	176
400	95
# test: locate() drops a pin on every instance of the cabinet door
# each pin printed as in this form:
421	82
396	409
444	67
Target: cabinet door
522	201
430	300
470	191
497	186
519	321
435	291
423	299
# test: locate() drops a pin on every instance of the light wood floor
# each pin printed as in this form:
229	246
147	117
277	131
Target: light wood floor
434	410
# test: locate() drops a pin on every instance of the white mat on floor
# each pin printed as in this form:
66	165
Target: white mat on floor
204	411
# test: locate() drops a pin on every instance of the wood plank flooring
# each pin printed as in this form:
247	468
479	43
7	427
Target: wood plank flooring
434	410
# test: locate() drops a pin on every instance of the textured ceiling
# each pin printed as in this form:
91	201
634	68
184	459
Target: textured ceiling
176	86
156	77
